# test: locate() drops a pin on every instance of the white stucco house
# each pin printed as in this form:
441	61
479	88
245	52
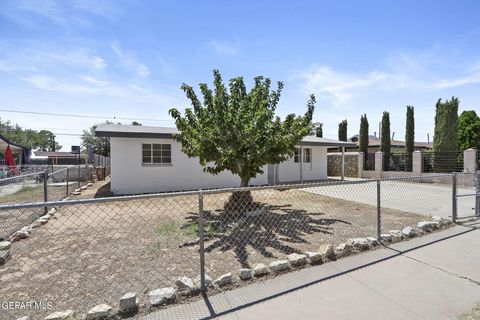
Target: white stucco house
146	159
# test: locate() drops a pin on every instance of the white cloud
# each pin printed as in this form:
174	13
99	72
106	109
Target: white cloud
128	60
62	13
340	86
224	48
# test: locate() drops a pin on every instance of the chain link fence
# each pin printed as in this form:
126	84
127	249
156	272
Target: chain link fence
167	247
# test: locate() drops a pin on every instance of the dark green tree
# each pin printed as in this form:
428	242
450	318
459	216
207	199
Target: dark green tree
410	137
101	145
319	130
446	119
363	138
237	131
342	130
385	143
468	130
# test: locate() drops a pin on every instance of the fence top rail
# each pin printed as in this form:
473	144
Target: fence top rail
21	176
58	171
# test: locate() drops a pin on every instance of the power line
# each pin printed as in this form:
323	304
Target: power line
80	115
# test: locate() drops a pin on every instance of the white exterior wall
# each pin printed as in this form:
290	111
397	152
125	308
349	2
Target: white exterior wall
315	170
129	176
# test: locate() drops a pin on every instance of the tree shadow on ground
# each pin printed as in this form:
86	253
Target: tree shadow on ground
267	228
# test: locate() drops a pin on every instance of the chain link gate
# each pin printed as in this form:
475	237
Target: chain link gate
468	195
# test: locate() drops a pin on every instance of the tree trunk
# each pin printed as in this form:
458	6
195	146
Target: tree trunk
240	202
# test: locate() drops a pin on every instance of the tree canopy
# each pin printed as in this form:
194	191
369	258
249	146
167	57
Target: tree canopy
342	130
236	130
363	137
43	139
468	130
410	130
101	145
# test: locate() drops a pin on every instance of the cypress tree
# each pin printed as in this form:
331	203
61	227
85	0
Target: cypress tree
385	143
363	138
446	118
342	130
410	137
319	130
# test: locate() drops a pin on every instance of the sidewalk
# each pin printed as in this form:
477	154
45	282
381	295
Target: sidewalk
437	281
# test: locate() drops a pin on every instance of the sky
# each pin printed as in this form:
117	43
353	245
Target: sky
123	60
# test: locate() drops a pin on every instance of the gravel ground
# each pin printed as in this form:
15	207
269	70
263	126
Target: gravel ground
94	253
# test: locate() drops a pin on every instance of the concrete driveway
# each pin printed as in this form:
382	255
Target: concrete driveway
403	195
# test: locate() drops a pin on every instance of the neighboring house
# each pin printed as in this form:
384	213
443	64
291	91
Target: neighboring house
56	158
374	145
146	159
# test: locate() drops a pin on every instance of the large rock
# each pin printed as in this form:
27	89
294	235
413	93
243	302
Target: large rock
409	232
52	211
428	225
5	245
60	315
386	237
245	274
396	235
359	243
185	284
223	280
327	251
128	302
314	257
296	259
278	265
373	242
161	296
343	249
100	311
260	270
4	256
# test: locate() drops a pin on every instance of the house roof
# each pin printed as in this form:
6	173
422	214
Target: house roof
131	131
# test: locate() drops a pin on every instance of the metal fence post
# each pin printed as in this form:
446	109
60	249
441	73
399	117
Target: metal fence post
45	189
477	194
454	197
202	240
67	178
78	178
379	220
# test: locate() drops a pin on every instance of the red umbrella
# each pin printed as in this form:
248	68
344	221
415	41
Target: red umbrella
10	160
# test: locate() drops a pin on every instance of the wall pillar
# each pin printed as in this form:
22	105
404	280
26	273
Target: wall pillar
361	162
417	163
379	163
470	160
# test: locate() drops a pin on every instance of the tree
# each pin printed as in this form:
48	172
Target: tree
385	143
43	139
410	137
446	120
317	130
342	130
468	130
101	145
237	131
363	138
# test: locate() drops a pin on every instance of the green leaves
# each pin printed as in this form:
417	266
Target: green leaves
446	118
363	138
468	130
236	130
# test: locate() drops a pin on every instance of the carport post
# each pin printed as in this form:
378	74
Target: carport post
454	197
45	189
379	220
202	238
342	169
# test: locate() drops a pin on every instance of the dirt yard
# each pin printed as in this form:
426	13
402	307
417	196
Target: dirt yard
94	253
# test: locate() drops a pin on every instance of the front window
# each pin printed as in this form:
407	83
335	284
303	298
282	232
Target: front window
153	153
307	155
